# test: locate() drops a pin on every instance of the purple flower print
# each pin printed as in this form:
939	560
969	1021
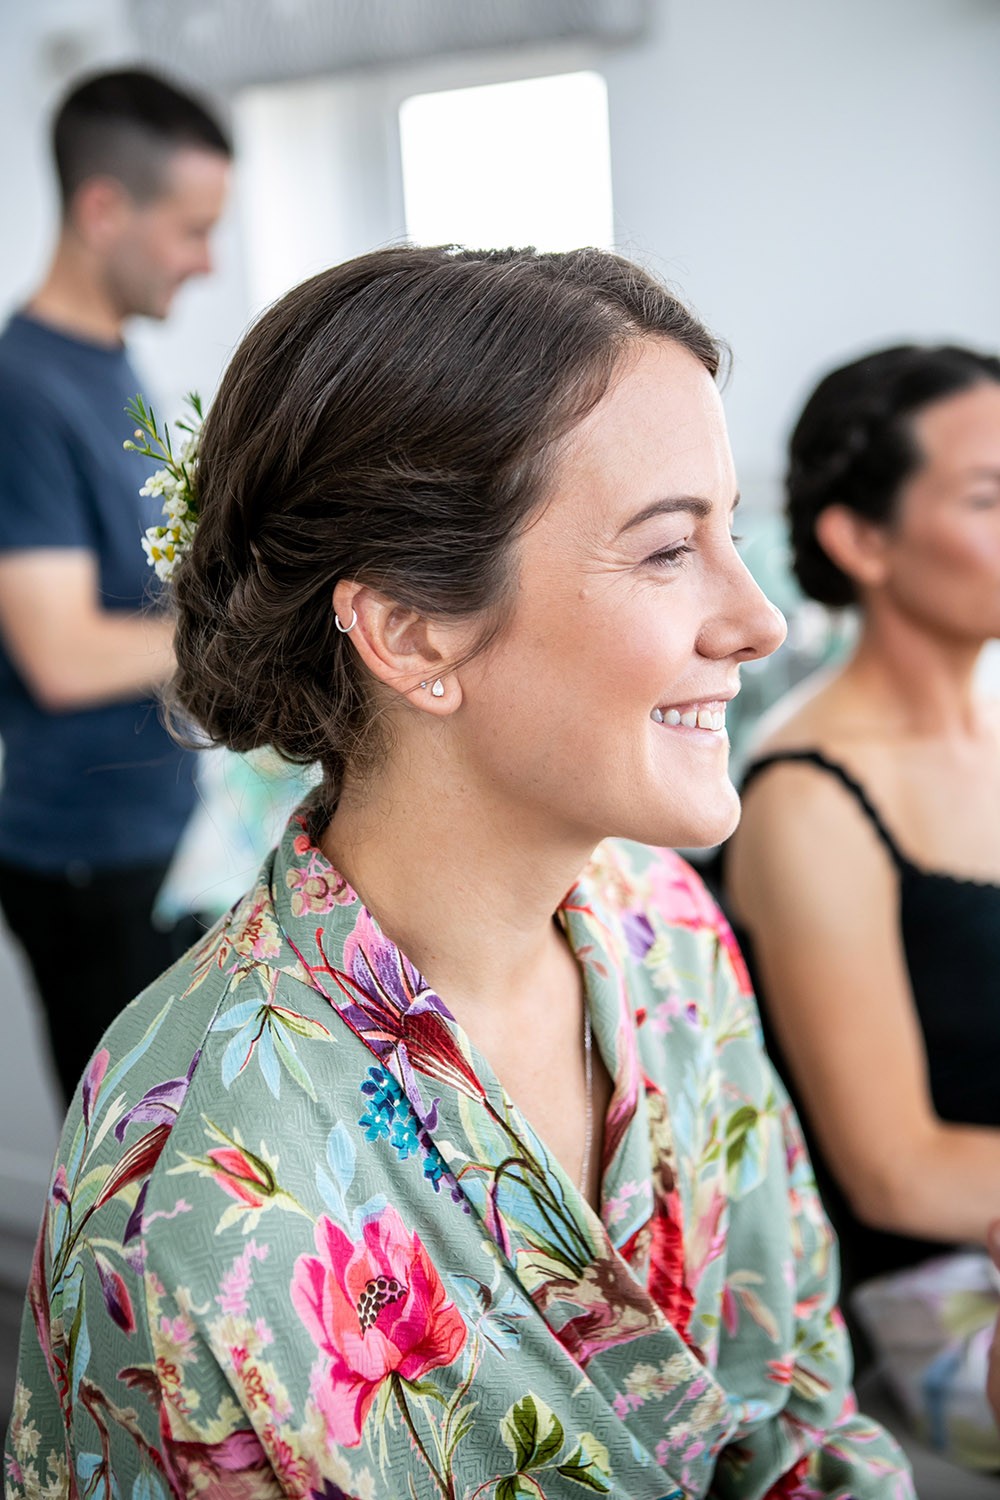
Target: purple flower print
638	933
389	1005
160	1104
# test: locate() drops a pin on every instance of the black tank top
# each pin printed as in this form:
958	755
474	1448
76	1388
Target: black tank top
950	931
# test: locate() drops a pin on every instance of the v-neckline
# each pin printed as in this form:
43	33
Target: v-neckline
306	886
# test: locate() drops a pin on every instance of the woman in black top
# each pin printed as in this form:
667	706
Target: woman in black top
865	874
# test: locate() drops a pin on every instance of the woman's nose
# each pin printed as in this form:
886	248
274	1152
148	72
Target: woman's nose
745	625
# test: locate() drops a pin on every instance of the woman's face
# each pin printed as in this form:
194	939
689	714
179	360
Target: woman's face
600	708
942	550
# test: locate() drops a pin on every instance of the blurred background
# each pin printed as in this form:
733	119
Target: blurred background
816	179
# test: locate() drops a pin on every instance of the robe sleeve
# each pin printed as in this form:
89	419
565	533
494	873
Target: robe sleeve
806	1440
123	1422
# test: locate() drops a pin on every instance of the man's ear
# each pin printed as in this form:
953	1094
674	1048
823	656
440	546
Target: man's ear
401	648
98	211
855	544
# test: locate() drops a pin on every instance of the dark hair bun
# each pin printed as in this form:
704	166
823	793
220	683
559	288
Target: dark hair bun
853	445
388	421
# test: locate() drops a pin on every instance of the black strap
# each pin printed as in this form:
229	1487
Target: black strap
817	758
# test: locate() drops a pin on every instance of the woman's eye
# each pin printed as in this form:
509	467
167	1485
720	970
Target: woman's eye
984	502
736	540
671	557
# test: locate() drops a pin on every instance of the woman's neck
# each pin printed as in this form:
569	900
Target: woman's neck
465	885
919	682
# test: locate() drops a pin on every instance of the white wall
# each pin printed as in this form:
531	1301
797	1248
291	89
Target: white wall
816	178
820	179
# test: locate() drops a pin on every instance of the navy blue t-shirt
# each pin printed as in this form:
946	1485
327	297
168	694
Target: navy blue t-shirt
101	787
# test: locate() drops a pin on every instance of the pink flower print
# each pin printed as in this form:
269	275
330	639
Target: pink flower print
92	1080
616	1207
316	889
235	1284
624	1403
373	1309
681	897
60	1187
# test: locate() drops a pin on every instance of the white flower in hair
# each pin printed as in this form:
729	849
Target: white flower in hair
165	545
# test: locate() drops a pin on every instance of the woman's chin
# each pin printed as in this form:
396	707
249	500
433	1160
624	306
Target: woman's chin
698	825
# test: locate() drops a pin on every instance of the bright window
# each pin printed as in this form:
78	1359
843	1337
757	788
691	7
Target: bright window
525	163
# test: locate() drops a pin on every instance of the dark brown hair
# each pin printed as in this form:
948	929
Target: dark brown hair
388	421
854	445
126	125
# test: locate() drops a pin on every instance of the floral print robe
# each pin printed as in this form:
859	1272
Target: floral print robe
298	1241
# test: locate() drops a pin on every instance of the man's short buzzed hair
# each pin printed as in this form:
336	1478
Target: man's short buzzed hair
126	125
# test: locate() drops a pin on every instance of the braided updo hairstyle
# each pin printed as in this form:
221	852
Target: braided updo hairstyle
854	445
389	421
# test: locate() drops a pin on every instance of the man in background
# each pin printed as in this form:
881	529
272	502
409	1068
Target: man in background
95	794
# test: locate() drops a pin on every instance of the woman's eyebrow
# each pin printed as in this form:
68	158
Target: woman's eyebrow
695	505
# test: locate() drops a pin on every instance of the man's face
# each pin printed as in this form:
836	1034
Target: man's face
156	245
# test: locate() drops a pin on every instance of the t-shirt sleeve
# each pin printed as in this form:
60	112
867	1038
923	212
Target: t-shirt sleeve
42	493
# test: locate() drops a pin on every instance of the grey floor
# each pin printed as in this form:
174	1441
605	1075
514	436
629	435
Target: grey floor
933	1478
11	1303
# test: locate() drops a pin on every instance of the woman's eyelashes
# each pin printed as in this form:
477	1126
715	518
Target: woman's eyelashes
671	557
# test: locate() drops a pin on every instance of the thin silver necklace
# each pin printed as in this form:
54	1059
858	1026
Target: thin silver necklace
588	1085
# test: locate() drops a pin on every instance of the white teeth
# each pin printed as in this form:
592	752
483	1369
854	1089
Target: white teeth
713	719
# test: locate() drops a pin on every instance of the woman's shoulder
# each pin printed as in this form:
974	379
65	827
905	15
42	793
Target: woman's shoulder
808	716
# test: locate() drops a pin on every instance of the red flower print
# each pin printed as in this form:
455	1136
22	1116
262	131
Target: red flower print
243	1175
116	1294
373	1309
794	1485
667	1280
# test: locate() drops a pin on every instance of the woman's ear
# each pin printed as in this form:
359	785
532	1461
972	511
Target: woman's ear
857	546
401	648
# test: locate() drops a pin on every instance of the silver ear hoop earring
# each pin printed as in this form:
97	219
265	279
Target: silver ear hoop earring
436	687
345	629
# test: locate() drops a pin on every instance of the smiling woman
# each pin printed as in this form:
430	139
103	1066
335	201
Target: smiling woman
450	1163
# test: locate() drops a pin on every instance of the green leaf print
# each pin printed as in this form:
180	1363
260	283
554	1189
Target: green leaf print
738	1129
532	1432
589	1465
516	1487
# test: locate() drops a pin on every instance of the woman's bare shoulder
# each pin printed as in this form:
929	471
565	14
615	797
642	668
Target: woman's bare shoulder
805	718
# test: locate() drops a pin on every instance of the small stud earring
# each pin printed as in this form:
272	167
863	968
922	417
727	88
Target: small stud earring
436	687
346	629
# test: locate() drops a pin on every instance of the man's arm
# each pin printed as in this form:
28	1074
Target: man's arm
70	652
